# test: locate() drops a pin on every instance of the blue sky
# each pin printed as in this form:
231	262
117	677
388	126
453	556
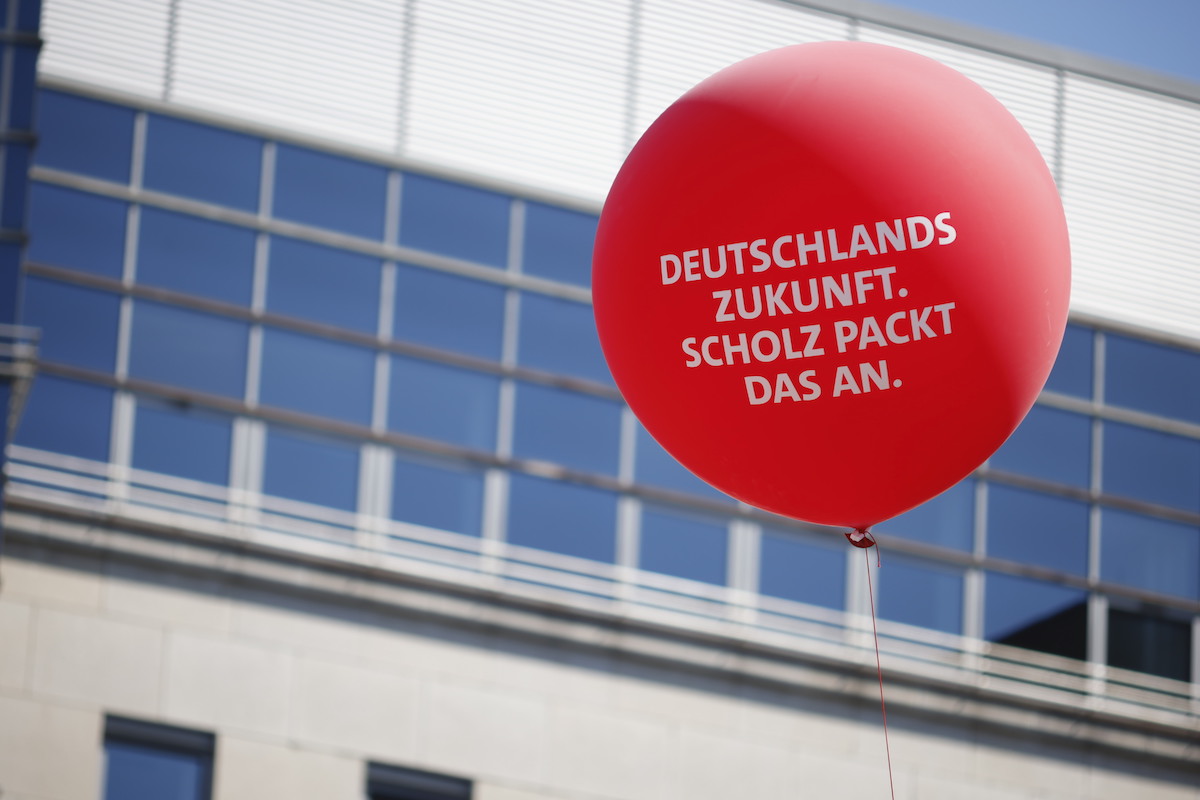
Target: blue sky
1158	35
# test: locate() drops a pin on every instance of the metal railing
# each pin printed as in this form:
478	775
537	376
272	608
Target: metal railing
773	626
18	363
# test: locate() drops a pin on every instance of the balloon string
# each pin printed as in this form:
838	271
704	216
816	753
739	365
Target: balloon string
879	671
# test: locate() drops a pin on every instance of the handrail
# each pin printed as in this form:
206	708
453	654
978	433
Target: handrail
785	627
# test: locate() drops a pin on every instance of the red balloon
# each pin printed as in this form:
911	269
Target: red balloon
831	280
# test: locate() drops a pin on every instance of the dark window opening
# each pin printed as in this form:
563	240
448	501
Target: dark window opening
1147	640
386	782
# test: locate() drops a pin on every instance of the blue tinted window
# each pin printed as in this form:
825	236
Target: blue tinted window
655	466
141	772
576	430
10	275
449	311
79	326
85	136
1072	372
560	336
182	440
76	230
558	243
920	593
454	220
1035	528
67	417
1152	377
947	520
1023	612
684	545
562	517
436	401
1151	554
1051	444
16	164
330	191
323	284
196	256
313	469
23	84
1152	466
317	376
801	568
202	162
436	493
187	348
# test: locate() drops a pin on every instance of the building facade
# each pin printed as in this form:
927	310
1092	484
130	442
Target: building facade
322	487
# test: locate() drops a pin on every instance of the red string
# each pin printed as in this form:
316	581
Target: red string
879	669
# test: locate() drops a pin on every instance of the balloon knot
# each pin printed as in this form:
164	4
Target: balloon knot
860	537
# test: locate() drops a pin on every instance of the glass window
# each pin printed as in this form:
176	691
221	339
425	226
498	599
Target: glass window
562	517
1152	554
188	348
196	256
558	243
78	134
920	593
76	230
560	336
304	466
1072	372
15	190
1152	377
67	417
800	567
656	467
1023	612
317	376
1147	640
1036	528
79	325
685	545
182	440
202	162
437	493
947	520
1152	466
323	284
386	782
330	191
147	761
20	110
575	430
1051	444
448	311
438	401
10	275
454	220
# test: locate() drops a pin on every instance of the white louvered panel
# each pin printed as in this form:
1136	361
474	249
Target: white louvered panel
1028	91
530	91
115	45
1131	185
326	68
681	43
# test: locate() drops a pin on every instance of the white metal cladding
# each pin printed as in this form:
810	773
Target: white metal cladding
680	43
1029	91
328	68
1131	186
552	94
119	44
533	91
